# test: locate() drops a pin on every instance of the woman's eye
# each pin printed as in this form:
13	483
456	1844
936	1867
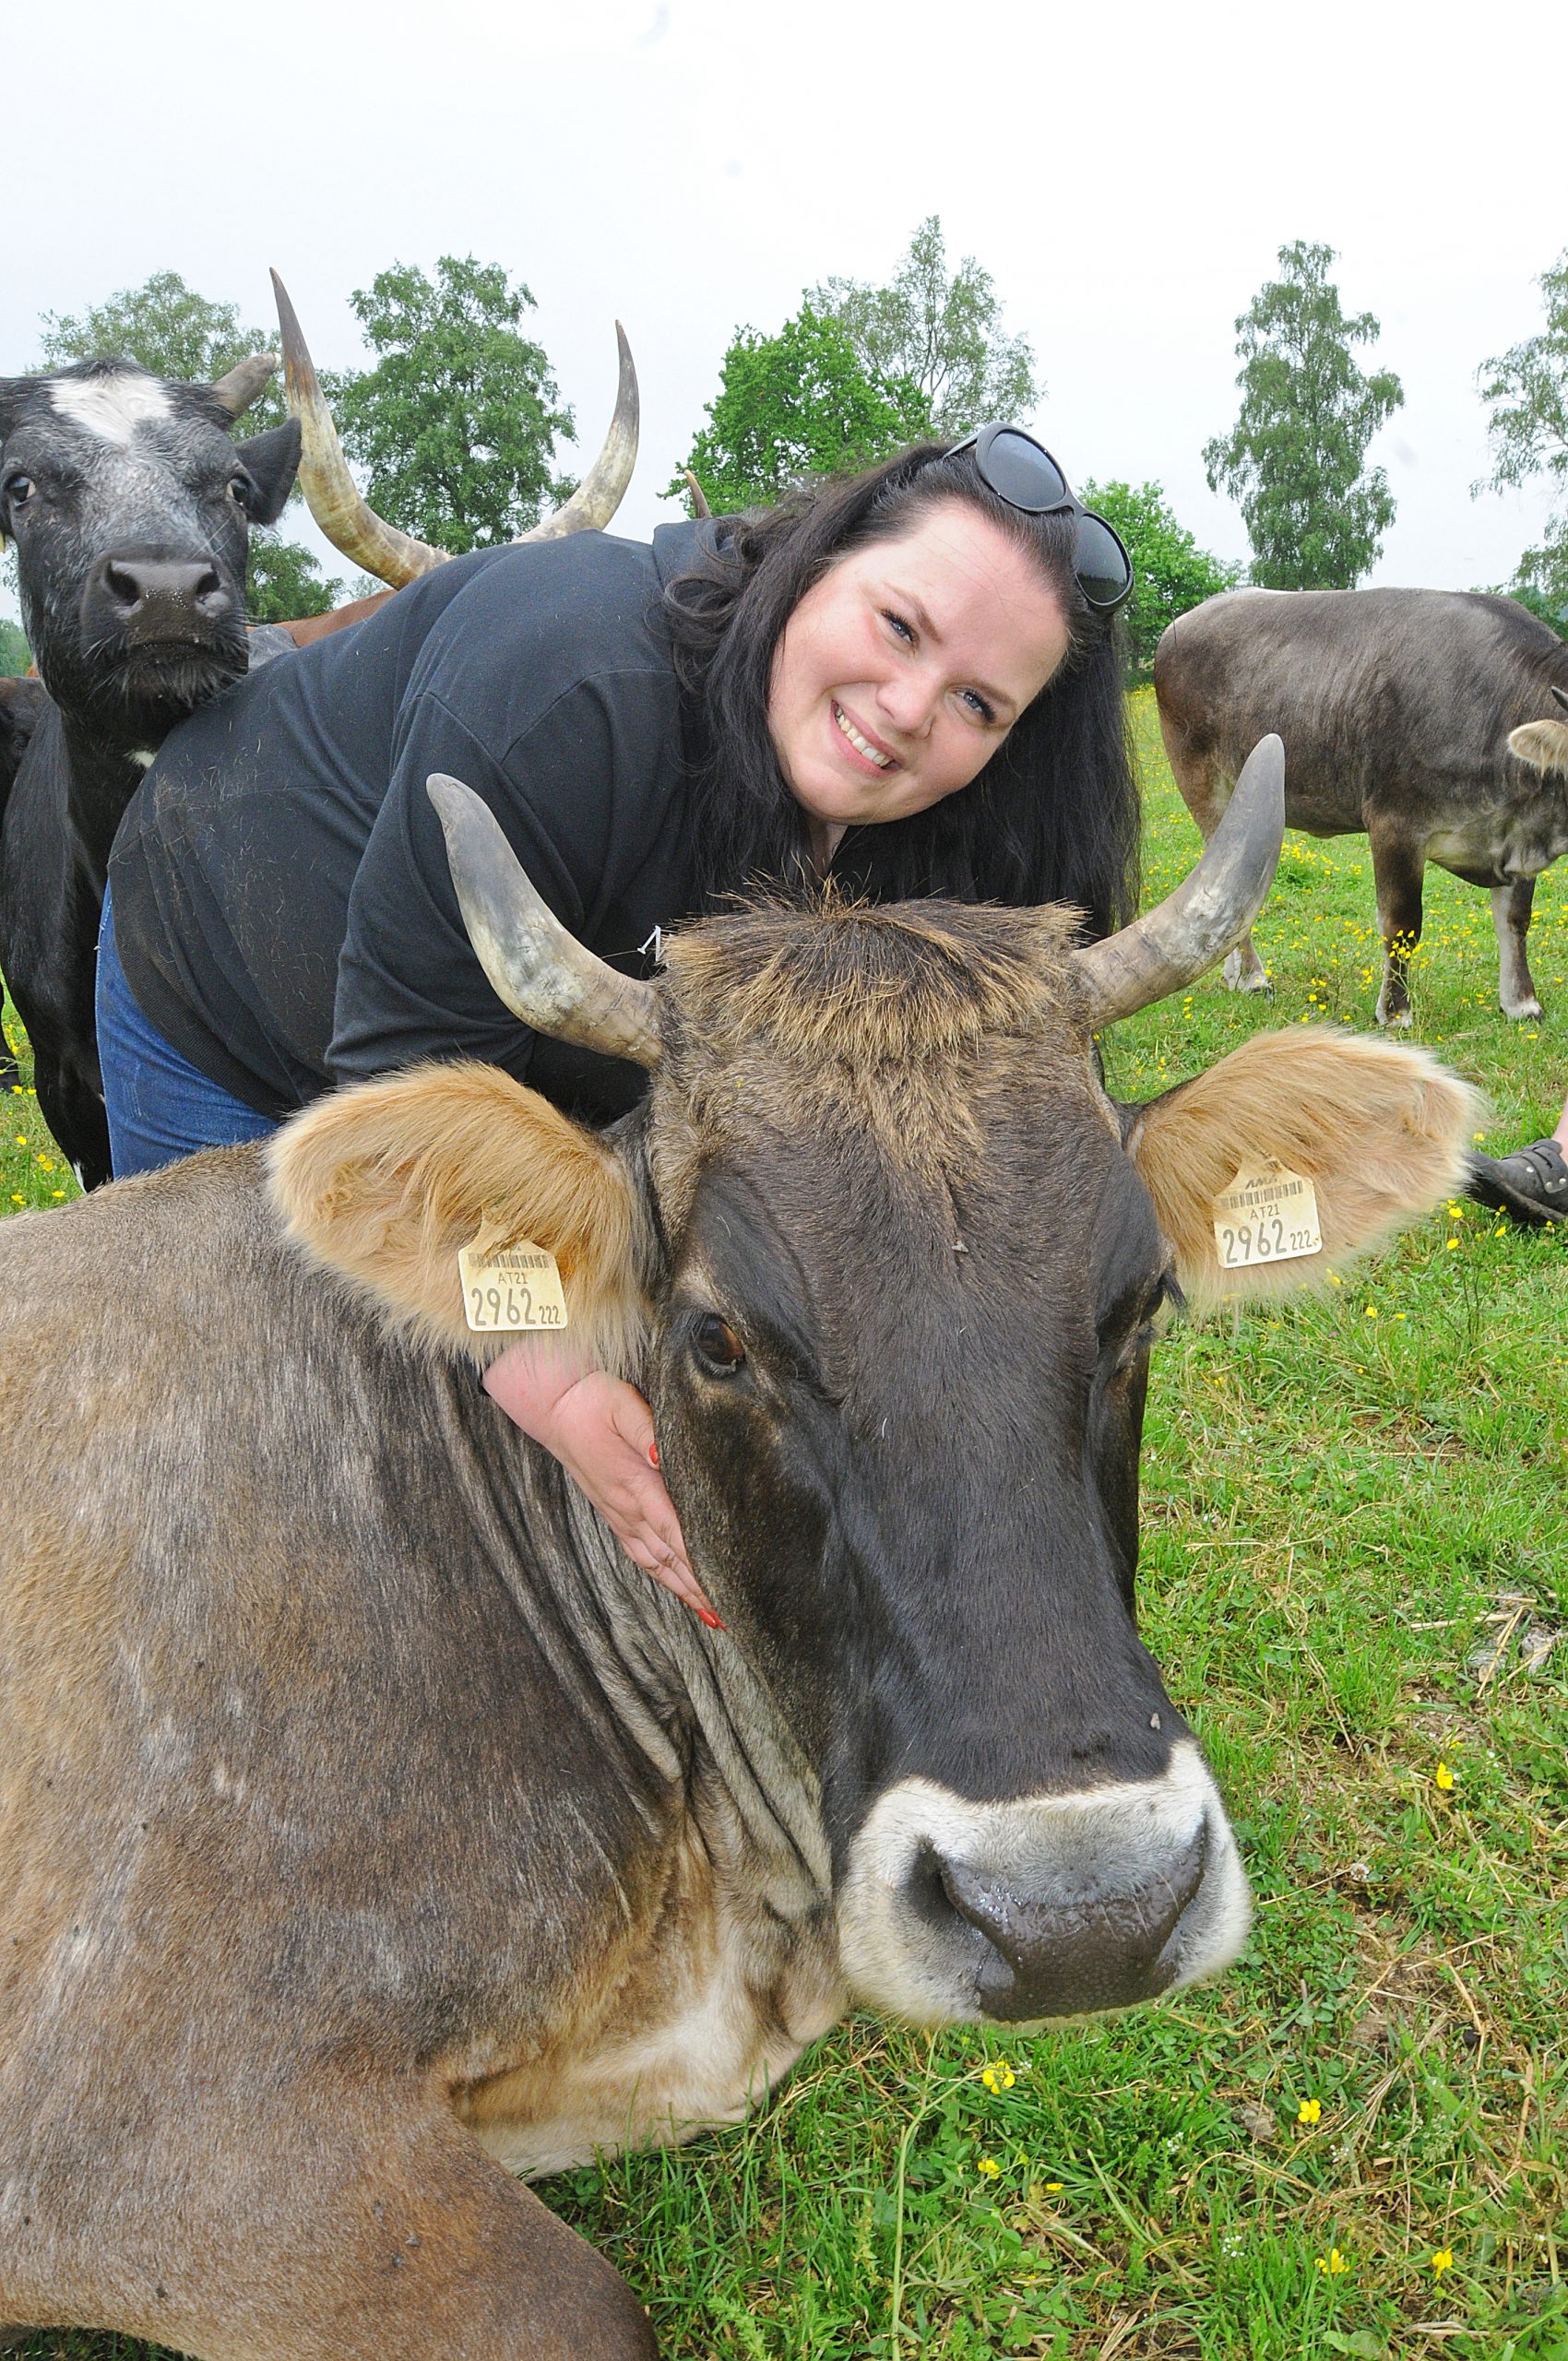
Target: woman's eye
717	1347
974	703
897	626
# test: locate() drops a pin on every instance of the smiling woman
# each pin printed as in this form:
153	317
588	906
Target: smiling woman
907	680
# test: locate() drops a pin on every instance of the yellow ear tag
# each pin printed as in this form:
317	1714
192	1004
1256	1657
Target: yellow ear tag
1266	1216
517	1286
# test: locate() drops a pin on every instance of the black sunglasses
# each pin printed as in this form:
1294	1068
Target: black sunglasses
1023	473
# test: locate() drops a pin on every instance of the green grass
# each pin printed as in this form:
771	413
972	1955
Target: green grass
1343	1513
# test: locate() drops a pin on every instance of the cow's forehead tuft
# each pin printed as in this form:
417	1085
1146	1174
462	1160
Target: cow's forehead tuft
865	984
113	407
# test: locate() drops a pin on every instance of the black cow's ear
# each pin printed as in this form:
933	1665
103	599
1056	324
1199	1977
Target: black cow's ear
13	392
272	460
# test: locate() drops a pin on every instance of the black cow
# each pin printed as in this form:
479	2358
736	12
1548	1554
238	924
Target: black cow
1423	717
130	507
369	1825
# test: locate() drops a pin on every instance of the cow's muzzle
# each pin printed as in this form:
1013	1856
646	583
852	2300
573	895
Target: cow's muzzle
161	602
1049	1907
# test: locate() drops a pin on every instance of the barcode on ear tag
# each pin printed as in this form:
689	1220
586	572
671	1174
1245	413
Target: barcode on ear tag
1267	1215
517	1286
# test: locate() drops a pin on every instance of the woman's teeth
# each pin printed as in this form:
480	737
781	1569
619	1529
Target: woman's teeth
883	762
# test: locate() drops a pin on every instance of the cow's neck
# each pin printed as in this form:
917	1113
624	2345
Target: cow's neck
689	1700
105	771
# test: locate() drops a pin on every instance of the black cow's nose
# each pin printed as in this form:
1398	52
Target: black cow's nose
1061	1954
164	599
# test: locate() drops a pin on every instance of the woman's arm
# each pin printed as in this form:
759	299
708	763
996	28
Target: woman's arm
601	1431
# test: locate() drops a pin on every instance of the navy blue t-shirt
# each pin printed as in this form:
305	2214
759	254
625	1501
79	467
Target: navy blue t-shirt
282	905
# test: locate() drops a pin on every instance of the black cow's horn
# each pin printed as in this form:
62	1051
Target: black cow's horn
1170	946
537	966
352	525
237	391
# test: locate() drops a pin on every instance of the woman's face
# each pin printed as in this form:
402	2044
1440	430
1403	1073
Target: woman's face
899	675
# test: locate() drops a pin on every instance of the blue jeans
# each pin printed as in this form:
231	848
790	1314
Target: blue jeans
160	1105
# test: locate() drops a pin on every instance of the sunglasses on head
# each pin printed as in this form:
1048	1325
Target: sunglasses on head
1023	473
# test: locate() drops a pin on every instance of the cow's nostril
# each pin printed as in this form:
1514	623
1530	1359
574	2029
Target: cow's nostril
122	584
1054	1949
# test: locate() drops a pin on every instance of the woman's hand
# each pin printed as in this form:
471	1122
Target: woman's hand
601	1431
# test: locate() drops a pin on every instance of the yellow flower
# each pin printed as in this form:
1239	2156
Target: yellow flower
45	1163
1334	1280
1309	2111
1443	1777
17	1197
1451	1243
21	1139
1441	2260
1371	1312
1333	2264
1053	2185
989	2167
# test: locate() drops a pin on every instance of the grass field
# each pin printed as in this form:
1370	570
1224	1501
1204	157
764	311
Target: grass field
1356	1550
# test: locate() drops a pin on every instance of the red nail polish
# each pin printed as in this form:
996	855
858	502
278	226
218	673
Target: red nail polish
707	1616
653	1453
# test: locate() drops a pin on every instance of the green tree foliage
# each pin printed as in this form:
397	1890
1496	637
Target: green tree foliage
1295	460
170	330
455	423
1172	573
943	334
1527	390
177	333
285	582
794	405
15	656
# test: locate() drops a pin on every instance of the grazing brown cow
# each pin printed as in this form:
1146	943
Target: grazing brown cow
1429	720
371	1830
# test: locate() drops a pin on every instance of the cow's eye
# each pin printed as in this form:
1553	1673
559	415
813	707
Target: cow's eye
717	1345
239	490
20	490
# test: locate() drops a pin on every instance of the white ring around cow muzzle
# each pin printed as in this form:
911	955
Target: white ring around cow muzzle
1048	1906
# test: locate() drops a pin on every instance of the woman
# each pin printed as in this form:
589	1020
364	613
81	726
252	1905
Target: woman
910	679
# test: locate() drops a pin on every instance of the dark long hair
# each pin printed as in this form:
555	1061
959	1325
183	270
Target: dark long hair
1053	817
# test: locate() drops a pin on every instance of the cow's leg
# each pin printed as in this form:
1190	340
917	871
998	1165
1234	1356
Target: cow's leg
1206	792
1398	867
1511	906
73	1111
352	2234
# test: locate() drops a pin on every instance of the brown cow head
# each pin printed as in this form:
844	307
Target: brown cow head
888	1262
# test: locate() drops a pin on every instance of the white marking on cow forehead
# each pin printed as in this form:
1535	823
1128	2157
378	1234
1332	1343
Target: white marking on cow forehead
110	407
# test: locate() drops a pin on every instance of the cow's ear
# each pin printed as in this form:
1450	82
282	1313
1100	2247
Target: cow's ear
1542	744
271	461
385	1180
1381	1133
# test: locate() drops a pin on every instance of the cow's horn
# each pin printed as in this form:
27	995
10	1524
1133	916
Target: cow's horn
331	493
1562	696
237	391
601	491
1170	946
537	966
352	525
699	498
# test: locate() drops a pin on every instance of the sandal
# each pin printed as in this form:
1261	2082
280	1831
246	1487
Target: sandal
1531	1184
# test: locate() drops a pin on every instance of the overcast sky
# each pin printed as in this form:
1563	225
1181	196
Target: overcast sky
1126	172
